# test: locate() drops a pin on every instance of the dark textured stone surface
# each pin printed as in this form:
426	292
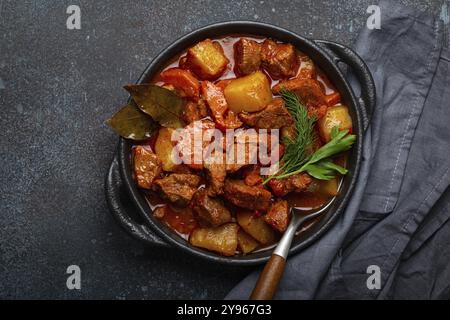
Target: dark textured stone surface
57	87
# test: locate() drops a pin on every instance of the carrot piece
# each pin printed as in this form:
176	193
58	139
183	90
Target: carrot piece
224	118
215	99
182	80
333	98
223	83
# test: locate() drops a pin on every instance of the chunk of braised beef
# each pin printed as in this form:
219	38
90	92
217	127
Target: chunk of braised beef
273	116
182	168
307	67
147	166
245	147
234	167
278	215
295	183
178	188
194	111
247	55
186	147
209	211
224	160
309	91
247	197
280	60
271	149
234	154
252	176
215	174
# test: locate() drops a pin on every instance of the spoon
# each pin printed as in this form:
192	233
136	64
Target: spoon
267	283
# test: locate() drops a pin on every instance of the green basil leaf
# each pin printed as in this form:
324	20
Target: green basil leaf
319	172
324	170
340	143
163	105
331	165
131	123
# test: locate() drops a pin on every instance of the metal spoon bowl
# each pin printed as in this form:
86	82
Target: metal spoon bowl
269	278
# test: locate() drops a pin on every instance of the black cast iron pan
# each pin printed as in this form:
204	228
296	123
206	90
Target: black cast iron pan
128	205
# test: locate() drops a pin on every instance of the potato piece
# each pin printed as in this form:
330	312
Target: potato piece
325	187
250	93
246	243
329	187
256	227
164	147
336	116
223	239
207	60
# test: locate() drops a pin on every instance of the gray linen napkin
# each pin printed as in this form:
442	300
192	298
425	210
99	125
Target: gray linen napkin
398	217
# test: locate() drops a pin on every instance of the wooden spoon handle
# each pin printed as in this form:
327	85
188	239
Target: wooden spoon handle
267	283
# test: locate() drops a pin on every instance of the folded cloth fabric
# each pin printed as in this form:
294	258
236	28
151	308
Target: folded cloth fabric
398	220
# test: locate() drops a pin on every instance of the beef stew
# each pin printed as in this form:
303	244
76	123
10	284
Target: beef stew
238	83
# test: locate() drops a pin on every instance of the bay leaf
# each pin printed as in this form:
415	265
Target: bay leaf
131	123
163	105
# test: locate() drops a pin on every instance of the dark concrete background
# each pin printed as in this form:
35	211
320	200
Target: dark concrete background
57	88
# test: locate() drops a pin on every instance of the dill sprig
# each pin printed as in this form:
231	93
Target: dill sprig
296	148
297	159
319	164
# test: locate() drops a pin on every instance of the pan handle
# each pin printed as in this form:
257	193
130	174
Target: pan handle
341	53
123	210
